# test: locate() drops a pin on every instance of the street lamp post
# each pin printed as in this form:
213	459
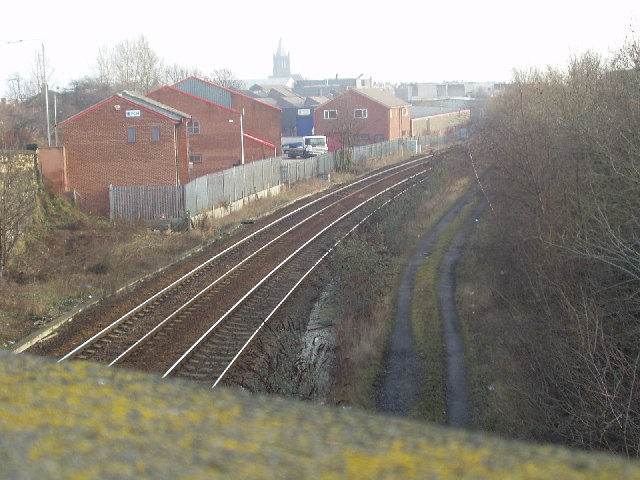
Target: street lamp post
46	96
44	86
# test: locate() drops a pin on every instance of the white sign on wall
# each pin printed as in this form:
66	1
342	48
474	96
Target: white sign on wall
132	113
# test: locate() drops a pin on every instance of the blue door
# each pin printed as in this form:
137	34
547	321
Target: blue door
304	125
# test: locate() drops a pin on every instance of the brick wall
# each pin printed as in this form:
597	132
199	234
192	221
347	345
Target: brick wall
98	152
255	150
218	143
382	123
260	120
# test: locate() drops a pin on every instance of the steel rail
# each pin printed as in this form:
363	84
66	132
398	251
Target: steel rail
302	278
93	339
274	270
193	299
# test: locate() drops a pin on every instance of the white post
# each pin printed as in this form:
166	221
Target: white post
241	138
55	117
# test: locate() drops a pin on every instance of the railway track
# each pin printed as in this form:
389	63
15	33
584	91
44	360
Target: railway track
198	325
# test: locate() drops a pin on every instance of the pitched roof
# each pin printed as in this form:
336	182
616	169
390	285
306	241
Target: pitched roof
289	102
212	91
280	90
139	101
420	112
155	106
381	96
187	94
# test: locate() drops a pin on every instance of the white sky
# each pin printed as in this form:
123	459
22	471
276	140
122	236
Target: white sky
408	41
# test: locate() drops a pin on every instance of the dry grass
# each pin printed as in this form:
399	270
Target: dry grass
364	337
71	259
485	321
426	324
357	374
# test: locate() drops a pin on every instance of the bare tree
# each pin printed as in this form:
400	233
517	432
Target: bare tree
345	128
225	78
564	147
102	70
130	65
174	73
18	88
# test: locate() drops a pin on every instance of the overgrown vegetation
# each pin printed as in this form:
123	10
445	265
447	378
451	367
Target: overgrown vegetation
18	189
562	254
354	299
67	258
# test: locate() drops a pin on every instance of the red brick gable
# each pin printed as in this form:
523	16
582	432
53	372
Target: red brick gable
383	118
218	143
99	152
121	100
260	119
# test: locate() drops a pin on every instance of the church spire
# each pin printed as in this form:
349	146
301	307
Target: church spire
280	51
281	65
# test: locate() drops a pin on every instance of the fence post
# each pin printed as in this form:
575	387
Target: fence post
111	202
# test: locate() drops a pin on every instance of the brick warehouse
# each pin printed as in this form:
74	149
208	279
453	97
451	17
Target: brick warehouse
124	140
215	139
261	121
368	115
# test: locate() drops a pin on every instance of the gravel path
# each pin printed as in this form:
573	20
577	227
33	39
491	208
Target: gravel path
400	388
457	393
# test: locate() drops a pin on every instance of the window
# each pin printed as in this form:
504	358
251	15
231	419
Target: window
378	138
359	113
131	134
405	111
315	142
155	135
195	158
330	114
363	137
193	127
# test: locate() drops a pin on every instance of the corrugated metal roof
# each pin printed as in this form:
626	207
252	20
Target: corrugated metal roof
206	90
316	100
382	96
212	92
272	102
288	102
419	112
157	107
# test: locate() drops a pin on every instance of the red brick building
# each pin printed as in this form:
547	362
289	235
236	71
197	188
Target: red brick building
217	139
365	116
124	140
260	121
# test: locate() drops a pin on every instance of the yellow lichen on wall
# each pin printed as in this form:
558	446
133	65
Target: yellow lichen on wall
81	420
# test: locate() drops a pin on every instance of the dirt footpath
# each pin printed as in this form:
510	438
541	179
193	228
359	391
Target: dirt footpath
400	387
